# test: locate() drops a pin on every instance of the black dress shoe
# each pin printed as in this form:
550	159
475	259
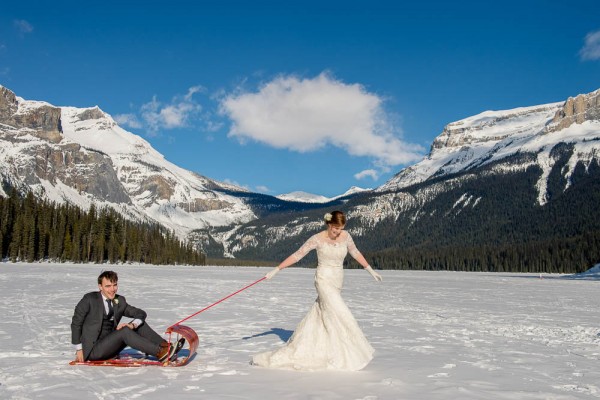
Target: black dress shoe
176	348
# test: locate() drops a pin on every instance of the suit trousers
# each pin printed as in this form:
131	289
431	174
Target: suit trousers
143	338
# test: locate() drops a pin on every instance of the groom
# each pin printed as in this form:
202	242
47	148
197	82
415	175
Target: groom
98	333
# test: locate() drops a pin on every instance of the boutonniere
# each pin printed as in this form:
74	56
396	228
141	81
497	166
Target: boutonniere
115	301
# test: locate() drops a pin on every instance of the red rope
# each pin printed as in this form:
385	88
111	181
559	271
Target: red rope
215	303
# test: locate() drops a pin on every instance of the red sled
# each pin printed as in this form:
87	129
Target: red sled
139	360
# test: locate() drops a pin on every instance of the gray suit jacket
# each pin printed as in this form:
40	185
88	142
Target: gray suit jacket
86	324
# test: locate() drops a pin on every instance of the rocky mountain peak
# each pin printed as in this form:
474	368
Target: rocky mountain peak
38	118
8	103
576	110
91	113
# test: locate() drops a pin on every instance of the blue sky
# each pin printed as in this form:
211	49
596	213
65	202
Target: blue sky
316	96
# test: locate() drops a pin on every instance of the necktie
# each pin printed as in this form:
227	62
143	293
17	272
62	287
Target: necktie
111	311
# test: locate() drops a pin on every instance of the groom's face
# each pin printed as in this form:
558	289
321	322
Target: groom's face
108	288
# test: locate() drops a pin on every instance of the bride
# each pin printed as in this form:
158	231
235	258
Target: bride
328	337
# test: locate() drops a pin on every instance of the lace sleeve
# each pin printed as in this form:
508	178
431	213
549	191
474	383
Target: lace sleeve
309	245
354	252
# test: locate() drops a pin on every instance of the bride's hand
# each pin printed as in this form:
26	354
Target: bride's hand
272	273
374	274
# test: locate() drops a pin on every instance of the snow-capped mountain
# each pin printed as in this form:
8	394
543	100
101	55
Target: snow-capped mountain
304	197
492	136
81	156
354	190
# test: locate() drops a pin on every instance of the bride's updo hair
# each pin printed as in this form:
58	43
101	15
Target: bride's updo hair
335	218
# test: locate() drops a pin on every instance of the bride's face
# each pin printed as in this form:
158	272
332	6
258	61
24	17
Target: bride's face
333	231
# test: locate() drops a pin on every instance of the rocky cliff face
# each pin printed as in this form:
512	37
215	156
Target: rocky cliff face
576	110
36	118
36	155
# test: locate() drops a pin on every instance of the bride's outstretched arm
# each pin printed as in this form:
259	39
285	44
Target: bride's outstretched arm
309	245
284	264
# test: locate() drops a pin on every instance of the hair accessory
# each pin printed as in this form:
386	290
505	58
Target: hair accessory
328	217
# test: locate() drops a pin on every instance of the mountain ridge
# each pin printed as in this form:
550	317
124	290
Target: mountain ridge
305	197
82	156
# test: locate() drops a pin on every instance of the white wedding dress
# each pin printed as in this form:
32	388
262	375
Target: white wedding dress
328	338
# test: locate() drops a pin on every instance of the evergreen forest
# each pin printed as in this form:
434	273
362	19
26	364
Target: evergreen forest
36	230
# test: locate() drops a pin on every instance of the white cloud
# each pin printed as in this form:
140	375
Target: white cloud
308	114
128	120
262	189
367	173
210	125
183	111
176	114
23	26
192	91
591	49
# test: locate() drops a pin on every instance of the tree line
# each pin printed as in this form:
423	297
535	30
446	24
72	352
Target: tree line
34	230
563	256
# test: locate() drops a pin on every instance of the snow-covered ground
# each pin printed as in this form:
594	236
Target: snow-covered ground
437	335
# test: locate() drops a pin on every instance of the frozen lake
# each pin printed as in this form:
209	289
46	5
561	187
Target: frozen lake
437	335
